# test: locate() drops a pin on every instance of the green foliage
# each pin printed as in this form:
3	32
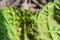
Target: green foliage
8	23
48	25
23	24
28	25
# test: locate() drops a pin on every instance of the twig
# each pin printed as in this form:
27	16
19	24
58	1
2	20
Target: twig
37	3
